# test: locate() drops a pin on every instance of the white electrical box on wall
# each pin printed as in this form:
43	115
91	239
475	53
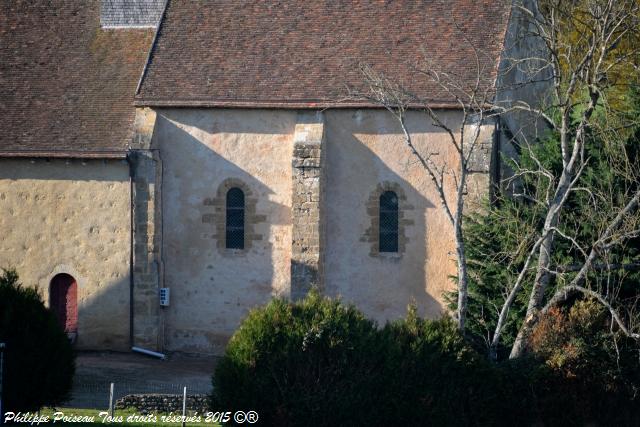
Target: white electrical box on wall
164	297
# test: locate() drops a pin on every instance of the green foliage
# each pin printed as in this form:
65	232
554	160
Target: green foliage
39	360
294	362
497	245
318	362
433	374
499	239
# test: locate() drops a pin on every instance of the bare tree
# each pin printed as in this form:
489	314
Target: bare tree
464	137
588	47
588	43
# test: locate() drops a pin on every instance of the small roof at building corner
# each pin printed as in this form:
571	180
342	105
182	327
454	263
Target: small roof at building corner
66	85
304	54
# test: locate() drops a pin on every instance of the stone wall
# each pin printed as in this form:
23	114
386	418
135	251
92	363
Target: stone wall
484	165
203	151
163	403
72	216
365	154
524	78
312	181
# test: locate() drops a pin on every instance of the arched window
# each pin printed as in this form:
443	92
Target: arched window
388	236
235	219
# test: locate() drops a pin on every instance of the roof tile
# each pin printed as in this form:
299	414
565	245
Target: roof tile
305	53
65	83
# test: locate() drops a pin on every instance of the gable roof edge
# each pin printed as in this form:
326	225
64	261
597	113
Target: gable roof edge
151	48
293	105
503	44
21	154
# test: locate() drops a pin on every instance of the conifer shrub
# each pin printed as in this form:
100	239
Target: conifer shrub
316	362
320	362
38	360
434	374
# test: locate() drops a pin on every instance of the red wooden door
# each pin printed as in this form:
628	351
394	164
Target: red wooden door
63	300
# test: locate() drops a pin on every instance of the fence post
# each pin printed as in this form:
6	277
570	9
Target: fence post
111	400
184	407
1	379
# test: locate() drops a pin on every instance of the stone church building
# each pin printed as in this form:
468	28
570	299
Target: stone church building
209	149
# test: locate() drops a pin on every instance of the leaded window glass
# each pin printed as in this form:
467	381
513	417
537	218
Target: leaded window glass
388	236
235	219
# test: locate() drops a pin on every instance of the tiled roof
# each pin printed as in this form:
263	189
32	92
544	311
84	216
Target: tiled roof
130	13
294	53
65	84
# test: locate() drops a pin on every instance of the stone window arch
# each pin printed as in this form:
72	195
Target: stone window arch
226	218
387	208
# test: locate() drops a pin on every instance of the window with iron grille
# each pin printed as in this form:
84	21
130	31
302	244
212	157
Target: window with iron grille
388	233
235	219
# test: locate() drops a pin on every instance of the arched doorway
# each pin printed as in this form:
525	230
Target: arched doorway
63	300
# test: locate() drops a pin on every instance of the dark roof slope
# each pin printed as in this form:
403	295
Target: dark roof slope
65	84
294	53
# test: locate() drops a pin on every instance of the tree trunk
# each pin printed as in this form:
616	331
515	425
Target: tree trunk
541	281
463	291
537	295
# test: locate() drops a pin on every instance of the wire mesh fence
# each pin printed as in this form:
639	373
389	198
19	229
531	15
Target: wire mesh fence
88	393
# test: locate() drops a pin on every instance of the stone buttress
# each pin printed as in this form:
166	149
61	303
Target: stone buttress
146	173
307	243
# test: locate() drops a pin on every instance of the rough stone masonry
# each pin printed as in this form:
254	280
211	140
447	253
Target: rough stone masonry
307	245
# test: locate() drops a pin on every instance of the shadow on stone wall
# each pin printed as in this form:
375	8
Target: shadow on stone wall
103	317
64	169
213	288
381	284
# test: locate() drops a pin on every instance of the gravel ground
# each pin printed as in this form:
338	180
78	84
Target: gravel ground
135	373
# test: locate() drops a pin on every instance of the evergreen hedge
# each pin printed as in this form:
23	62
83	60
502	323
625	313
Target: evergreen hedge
38	360
315	360
319	362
